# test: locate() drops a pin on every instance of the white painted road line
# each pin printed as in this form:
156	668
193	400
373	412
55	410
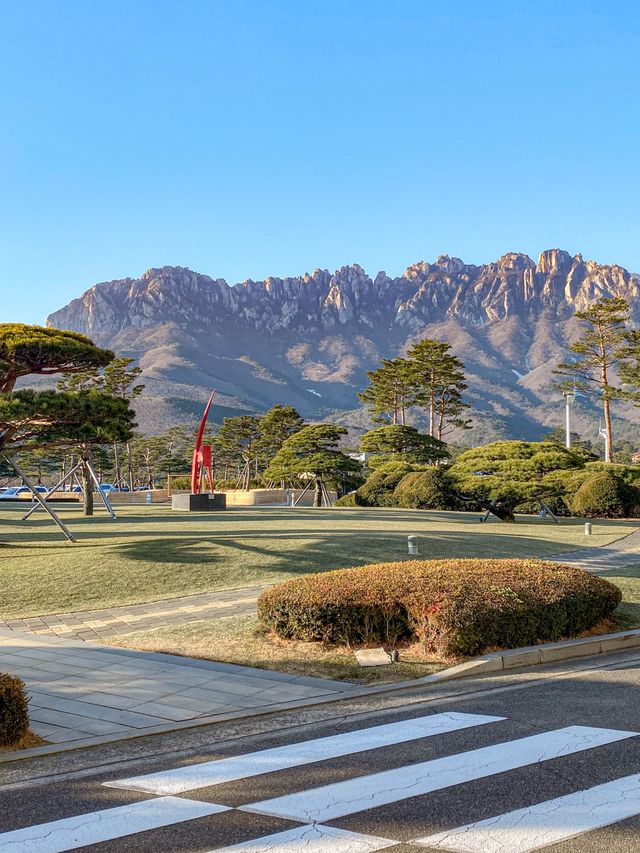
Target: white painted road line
104	825
544	823
311	839
379	789
205	774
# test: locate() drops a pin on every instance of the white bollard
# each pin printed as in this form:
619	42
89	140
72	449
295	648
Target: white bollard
412	546
149	497
587	528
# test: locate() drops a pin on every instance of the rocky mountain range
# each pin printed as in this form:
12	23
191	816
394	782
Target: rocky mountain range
309	340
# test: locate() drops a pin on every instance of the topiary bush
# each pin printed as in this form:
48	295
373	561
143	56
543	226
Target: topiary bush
453	607
350	499
430	489
606	495
379	487
14	710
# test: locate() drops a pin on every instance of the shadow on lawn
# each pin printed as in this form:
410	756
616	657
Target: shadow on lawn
321	552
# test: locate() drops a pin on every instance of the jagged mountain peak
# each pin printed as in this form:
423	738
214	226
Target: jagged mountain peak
310	339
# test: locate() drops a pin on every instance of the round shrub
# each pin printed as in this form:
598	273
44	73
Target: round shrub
606	495
428	489
453	607
379	487
350	499
14	710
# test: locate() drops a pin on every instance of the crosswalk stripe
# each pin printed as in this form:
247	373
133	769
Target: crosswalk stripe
104	825
205	774
544	823
378	789
311	839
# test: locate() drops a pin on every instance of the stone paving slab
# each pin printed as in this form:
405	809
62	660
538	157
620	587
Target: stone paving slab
80	691
96	625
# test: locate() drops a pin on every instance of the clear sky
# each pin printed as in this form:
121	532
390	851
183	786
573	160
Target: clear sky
248	138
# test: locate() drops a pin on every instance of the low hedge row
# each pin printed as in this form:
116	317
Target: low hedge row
14	710
453	607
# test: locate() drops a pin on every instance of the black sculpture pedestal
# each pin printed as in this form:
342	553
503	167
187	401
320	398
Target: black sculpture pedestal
199	503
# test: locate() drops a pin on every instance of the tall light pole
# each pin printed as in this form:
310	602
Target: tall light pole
569	397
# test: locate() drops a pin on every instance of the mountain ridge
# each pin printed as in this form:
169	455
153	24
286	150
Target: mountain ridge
309	340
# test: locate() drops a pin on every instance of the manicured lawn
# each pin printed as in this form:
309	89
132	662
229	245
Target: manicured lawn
241	640
628	579
151	553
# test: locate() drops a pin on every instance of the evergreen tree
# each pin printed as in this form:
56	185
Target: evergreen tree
396	443
599	349
506	474
313	453
630	365
438	381
274	428
237	440
36	351
390	391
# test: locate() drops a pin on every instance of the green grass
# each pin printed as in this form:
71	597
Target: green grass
151	553
627	615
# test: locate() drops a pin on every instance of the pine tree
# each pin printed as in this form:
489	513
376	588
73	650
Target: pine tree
33	350
390	391
237	440
274	428
313	452
396	443
600	348
438	380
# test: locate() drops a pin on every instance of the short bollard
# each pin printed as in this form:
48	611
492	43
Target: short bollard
587	528
412	546
149	497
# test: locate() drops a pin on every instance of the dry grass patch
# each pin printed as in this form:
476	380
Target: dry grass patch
243	640
30	741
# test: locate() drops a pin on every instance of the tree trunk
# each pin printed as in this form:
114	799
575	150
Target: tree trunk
87	486
129	465
116	462
317	495
504	512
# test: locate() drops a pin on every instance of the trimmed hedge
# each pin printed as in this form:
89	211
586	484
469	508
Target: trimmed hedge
606	495
429	489
453	607
14	710
350	499
379	486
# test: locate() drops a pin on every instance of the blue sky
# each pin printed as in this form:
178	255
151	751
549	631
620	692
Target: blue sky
269	137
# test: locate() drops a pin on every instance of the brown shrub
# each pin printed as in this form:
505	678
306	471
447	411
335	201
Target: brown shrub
454	607
14	710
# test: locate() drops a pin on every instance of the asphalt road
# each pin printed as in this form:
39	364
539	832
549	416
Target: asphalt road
547	760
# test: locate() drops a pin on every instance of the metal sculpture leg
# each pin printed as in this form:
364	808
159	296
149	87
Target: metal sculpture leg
105	499
36	507
54	516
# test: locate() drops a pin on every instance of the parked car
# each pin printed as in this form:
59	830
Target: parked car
15	492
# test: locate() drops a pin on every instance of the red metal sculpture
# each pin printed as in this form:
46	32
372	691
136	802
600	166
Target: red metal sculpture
201	463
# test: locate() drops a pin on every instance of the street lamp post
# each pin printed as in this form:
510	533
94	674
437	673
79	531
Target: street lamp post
569	397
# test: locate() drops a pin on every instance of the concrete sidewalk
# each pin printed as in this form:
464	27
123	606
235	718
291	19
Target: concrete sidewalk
96	625
82	692
622	552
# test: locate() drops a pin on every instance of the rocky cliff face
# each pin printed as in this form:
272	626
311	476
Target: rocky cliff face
309	340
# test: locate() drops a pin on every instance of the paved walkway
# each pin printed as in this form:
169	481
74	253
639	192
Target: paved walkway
622	552
96	625
80	691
